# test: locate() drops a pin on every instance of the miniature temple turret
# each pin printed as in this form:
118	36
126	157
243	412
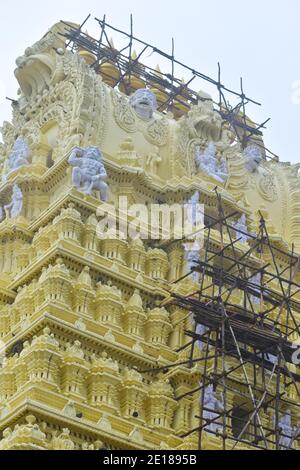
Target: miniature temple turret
103	383
134	315
109	306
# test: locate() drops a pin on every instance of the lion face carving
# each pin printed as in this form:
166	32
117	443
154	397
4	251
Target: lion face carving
144	103
37	68
253	158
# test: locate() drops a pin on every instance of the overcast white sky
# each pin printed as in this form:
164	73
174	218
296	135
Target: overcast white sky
258	40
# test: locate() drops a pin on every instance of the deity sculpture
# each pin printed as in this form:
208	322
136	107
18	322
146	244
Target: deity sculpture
256	281
89	172
194	210
241	229
286	431
14	209
212	410
209	165
253	158
200	330
18	158
144	103
192	256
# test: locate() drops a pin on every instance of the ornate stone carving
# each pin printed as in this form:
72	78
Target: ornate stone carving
62	441
253	158
158	132
144	103
123	113
266	184
209	165
18	158
89	172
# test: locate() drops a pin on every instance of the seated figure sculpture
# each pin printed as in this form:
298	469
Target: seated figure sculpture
144	103
89	172
209	165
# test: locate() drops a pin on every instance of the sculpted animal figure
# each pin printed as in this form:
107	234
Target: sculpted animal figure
89	172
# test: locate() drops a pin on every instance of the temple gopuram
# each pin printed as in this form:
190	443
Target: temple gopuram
131	343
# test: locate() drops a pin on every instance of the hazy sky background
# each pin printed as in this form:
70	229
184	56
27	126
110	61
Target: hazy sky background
258	40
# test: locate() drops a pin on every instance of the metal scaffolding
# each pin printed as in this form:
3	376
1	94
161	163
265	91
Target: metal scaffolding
175	95
259	332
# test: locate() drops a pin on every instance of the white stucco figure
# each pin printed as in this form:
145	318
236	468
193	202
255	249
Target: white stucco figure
1	213
192	256
216	406
18	157
285	424
209	165
144	103
195	210
256	281
241	226
253	158
89	172
193	224
200	330
14	209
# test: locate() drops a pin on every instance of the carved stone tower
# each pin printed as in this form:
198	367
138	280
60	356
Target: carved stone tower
83	323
